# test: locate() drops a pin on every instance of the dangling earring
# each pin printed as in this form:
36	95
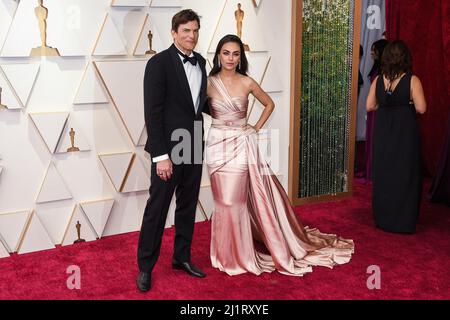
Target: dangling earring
218	62
239	67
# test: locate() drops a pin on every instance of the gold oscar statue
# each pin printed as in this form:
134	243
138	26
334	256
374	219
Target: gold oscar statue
43	50
2	106
239	15
78	226
72	141
150	37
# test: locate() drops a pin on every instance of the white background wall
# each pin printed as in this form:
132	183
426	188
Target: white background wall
24	155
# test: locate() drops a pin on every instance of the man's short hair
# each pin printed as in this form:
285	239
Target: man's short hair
183	17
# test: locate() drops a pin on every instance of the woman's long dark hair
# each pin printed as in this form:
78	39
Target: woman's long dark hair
378	46
242	69
396	60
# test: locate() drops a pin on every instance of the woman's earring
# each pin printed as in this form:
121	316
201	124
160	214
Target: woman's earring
218	63
239	67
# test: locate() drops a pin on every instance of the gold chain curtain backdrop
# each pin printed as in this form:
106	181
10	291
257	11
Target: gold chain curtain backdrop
325	60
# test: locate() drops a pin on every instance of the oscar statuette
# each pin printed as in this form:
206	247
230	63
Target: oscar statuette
150	38
72	142
78	226
239	15
43	50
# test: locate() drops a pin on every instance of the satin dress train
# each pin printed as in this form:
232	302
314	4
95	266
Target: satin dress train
254	228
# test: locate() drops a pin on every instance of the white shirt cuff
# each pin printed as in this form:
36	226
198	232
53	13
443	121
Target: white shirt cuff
160	158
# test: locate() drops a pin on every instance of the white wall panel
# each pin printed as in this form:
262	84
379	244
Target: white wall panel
106	108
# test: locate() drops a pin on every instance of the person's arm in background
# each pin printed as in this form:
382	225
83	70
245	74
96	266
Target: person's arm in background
371	102
418	96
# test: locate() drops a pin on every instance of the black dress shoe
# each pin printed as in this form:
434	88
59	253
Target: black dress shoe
189	268
143	281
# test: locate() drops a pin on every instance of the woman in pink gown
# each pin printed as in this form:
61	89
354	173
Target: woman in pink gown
254	228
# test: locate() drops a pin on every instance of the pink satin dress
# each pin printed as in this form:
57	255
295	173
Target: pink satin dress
254	228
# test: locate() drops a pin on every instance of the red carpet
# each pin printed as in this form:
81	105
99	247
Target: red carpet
412	266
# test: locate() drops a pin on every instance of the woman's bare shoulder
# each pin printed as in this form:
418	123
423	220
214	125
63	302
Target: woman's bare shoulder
248	81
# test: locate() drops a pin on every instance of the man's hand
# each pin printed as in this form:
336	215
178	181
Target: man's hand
164	169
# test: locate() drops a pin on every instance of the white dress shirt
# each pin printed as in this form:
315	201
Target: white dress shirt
194	78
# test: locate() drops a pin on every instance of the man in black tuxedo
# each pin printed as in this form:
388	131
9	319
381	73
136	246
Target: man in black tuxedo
174	98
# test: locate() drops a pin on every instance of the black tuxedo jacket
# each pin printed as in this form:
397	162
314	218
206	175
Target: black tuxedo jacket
168	101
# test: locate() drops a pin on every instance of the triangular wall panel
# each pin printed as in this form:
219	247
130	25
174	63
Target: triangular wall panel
143	138
9	98
271	81
129	24
54	218
70	26
50	126
79	138
22	77
79	219
36	237
126	92
137	178
143	43
53	187
109	41
251	30
7	11
159	22
98	213
12	228
116	166
3	251
91	89
146	159
257	65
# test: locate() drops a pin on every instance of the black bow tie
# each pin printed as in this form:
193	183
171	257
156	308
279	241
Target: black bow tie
186	58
